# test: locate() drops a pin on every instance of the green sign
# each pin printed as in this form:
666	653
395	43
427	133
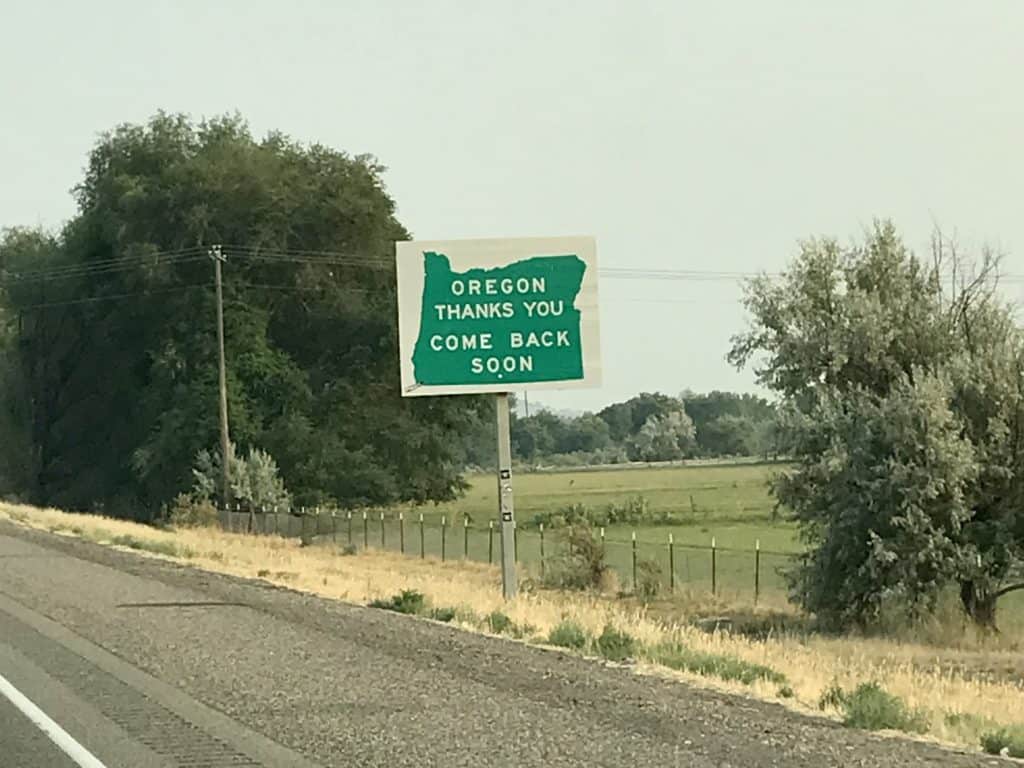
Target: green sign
497	315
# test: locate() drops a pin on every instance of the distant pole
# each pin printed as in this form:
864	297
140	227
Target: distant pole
635	589
526	402
671	564
757	570
542	569
225	442
506	511
714	568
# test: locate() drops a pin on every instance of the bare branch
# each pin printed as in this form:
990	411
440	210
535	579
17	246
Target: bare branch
1008	590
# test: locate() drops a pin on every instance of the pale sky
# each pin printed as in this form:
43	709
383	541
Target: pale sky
682	135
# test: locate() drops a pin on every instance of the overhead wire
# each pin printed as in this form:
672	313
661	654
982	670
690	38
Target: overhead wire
334	258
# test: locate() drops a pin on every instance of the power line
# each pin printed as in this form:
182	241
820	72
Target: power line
352	259
100	266
111	297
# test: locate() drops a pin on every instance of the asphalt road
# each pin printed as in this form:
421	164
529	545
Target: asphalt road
147	663
24	744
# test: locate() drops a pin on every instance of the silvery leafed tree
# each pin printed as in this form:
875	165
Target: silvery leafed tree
903	411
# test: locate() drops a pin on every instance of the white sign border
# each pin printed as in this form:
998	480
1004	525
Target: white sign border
492	253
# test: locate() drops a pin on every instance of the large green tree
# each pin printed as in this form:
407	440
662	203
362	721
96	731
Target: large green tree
901	381
118	344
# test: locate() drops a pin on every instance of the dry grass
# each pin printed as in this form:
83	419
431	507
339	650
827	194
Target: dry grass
961	705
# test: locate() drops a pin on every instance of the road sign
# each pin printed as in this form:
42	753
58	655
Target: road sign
498	315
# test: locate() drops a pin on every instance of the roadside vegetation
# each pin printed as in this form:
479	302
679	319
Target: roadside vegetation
956	694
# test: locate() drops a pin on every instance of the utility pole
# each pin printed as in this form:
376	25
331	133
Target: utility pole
526	400
225	443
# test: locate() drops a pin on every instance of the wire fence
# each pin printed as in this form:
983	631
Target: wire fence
727	572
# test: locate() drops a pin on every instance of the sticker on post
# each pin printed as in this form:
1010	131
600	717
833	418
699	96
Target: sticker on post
506	516
506	474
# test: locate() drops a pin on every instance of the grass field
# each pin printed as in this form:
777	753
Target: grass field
728	503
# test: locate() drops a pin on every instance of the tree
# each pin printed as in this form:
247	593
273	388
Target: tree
727	435
628	418
118	347
584	434
663	438
727	423
904	407
882	498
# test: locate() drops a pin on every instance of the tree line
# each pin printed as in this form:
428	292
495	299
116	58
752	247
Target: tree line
650	427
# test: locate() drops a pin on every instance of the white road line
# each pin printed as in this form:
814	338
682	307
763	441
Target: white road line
79	754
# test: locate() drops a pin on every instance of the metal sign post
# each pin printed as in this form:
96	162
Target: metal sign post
506	511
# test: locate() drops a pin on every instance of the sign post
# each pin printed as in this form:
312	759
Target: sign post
506	510
493	316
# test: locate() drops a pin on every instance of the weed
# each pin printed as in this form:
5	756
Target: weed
262	573
408	601
872	708
630	510
445	615
349	550
568	634
615	645
648	579
582	566
967	721
785	692
833	697
717	665
499	623
167	548
187	512
1007	741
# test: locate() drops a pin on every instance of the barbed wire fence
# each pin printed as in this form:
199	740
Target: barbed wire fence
730	573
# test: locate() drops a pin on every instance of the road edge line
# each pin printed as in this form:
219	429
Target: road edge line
61	738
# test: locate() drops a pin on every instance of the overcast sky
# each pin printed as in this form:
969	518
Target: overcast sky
683	135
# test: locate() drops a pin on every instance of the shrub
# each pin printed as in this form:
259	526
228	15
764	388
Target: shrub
786	692
499	623
255	480
582	564
1008	741
633	510
872	708
648	579
408	601
717	665
568	634
443	614
189	512
349	550
615	645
